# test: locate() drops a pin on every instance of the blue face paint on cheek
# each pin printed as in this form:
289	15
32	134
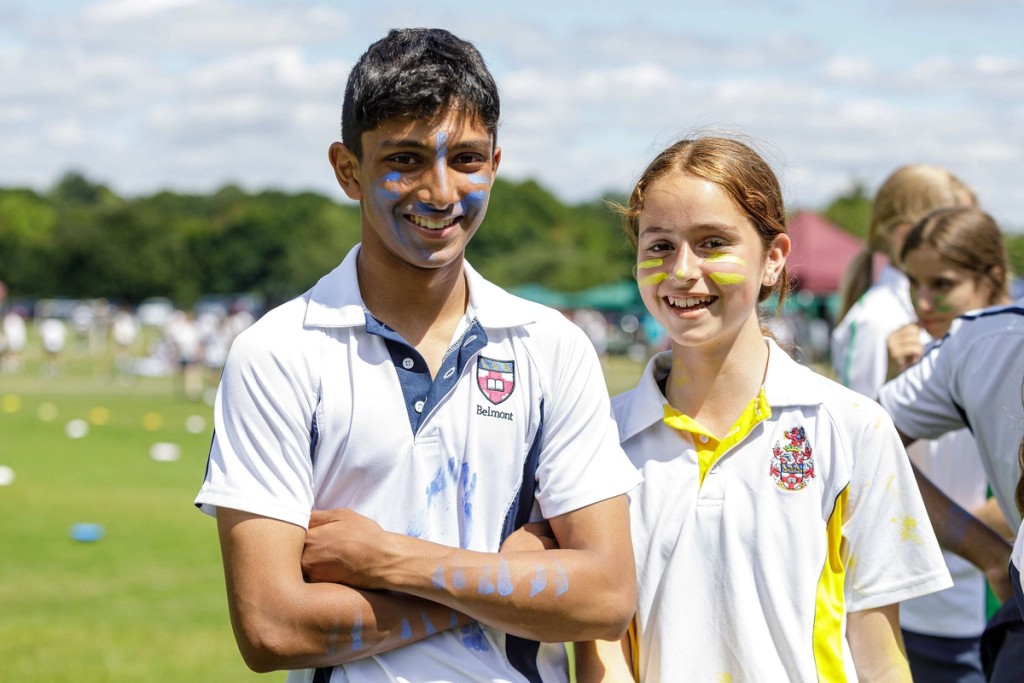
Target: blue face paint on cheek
475	201
388	193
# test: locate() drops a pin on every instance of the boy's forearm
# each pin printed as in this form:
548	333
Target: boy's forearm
583	591
283	622
551	595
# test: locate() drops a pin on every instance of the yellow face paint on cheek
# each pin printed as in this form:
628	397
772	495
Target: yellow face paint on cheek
650	263
652	279
728	278
725	258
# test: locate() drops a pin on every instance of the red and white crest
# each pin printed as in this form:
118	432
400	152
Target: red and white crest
496	378
792	465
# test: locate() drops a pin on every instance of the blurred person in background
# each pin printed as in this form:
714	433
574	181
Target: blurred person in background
956	263
15	337
53	336
872	307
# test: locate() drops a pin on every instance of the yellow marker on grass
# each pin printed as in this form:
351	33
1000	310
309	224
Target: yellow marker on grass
11	403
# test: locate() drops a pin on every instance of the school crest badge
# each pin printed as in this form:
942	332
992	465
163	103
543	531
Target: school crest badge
792	464
496	378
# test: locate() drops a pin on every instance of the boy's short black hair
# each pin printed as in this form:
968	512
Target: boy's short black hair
417	73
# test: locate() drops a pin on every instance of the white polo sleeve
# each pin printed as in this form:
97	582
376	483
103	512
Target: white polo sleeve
581	461
260	458
919	399
893	554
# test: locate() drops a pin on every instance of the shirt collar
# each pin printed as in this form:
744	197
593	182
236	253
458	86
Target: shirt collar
335	300
786	383
646	404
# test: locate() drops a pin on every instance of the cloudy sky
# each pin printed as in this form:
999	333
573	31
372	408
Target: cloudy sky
192	94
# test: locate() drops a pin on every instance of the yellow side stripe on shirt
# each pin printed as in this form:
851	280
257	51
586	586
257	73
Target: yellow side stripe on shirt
830	602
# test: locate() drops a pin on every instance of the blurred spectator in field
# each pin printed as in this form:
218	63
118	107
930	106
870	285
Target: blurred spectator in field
99	330
182	333
81	325
15	337
126	330
53	335
239	320
595	327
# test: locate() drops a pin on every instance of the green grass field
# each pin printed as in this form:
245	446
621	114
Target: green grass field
146	602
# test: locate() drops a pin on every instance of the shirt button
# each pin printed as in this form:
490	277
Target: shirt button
408	363
418	407
703	438
714	469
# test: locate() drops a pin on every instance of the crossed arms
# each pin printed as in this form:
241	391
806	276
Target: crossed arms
371	591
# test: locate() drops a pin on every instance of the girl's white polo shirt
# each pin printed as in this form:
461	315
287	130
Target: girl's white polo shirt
813	514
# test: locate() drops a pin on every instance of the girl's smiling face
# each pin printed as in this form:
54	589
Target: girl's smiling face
700	260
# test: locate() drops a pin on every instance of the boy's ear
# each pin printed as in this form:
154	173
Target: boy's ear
346	169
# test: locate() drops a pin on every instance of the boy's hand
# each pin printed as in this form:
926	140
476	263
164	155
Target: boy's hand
343	546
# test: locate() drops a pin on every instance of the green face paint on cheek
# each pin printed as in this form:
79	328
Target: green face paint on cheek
728	278
652	279
941	306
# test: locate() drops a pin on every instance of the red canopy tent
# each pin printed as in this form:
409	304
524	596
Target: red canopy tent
821	251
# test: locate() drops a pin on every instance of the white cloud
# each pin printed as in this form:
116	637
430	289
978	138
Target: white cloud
188	94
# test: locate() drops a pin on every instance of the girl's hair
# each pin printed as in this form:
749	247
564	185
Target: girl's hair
734	167
905	196
967	238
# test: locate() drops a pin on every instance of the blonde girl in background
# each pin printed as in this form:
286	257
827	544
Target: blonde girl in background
956	263
779	524
873	308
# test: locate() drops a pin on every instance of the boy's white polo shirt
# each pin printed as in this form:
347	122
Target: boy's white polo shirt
973	377
315	411
743	577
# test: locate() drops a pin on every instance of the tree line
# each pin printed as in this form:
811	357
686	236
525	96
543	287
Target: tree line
80	239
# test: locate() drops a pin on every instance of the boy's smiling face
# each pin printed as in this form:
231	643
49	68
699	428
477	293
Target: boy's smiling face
423	186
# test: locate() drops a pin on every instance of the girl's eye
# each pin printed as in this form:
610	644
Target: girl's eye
714	243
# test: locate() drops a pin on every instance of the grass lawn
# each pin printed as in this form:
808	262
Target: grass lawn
146	602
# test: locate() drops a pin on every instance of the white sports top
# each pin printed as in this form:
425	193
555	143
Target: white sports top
322	406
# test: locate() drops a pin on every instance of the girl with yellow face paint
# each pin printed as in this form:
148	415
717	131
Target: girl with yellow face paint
758	538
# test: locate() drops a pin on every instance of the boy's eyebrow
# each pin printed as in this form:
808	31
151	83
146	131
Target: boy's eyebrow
414	143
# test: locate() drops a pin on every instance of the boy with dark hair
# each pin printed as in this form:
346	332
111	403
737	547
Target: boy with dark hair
382	437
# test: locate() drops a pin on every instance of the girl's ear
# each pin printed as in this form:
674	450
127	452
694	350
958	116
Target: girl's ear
775	259
989	289
346	169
